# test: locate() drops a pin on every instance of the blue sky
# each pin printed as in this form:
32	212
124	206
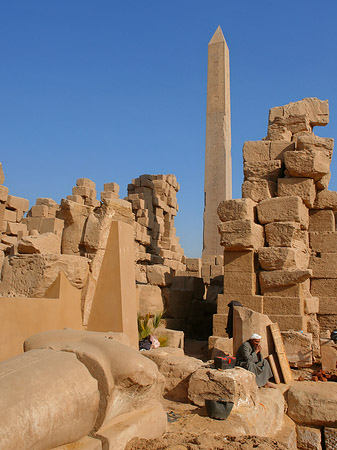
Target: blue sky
111	90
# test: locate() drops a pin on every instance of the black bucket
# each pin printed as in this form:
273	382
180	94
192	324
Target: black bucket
218	409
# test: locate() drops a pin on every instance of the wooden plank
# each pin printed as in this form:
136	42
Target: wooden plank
281	353
272	363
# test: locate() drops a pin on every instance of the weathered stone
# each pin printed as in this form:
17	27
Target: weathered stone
301	187
330	438
276	278
297	290
290	322
270	170
298	348
324	241
273	305
150	300
323	183
311	403
258	190
328	355
308	438
324	287
2	176
276	258
316	110
311	305
189	283
256	151
307	163
244	261
219	325
283	209
254	302
86	443
321	220
32	275
324	265
172	338
177	370
286	234
9	215
17	203
3	193
39	211
159	275
310	141
240	235
220	346
238	209
46	243
15	229
194	265
246	322
47	390
278	149
326	200
236	385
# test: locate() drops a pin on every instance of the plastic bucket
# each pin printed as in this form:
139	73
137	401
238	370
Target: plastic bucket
218	409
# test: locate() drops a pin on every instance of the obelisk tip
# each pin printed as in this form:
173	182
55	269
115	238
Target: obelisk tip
217	37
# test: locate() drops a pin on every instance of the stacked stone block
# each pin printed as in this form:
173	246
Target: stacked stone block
280	241
154	204
41	218
84	193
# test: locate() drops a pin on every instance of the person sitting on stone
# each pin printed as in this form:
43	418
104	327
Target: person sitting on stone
249	357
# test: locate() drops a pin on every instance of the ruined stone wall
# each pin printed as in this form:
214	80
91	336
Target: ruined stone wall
280	241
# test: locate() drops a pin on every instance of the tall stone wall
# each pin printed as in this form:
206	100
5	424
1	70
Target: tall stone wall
280	241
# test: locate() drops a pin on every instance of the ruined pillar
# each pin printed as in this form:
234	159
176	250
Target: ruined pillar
218	165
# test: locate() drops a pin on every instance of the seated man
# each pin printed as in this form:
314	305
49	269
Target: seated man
249	357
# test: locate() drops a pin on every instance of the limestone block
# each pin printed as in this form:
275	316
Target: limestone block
298	348
298	123
43	394
315	109
236	385
283	209
244	261
330	436
48	202
15	228
178	303
256	151
241	235
2	176
219	325
174	338
150	300
220	346
324	287
311	403
111	187
277	130
278	149
193	265
86	182
323	183
327	305
86	443
159	275
246	322
258	190
276	258
177	370
287	322
9	240
84	191
297	290
189	283
32	275
328	355
277	278
309	141
324	265
326	200
325	241
39	211
9	215
52	225
46	243
254	302
311	305
321	220
17	203
286	234
216	271
238	209
270	170
243	283
125	378
308	438
301	187
273	305
147	422
76	199
3	193
307	163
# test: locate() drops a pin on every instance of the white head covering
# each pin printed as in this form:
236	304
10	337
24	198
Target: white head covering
255	336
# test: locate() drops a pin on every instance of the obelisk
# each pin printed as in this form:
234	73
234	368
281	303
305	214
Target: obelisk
218	161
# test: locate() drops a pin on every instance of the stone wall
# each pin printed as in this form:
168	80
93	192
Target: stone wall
280	241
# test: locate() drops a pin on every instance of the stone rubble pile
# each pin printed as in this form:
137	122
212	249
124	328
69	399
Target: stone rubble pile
280	240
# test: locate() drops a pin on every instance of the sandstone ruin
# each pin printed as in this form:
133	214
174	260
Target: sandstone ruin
75	273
